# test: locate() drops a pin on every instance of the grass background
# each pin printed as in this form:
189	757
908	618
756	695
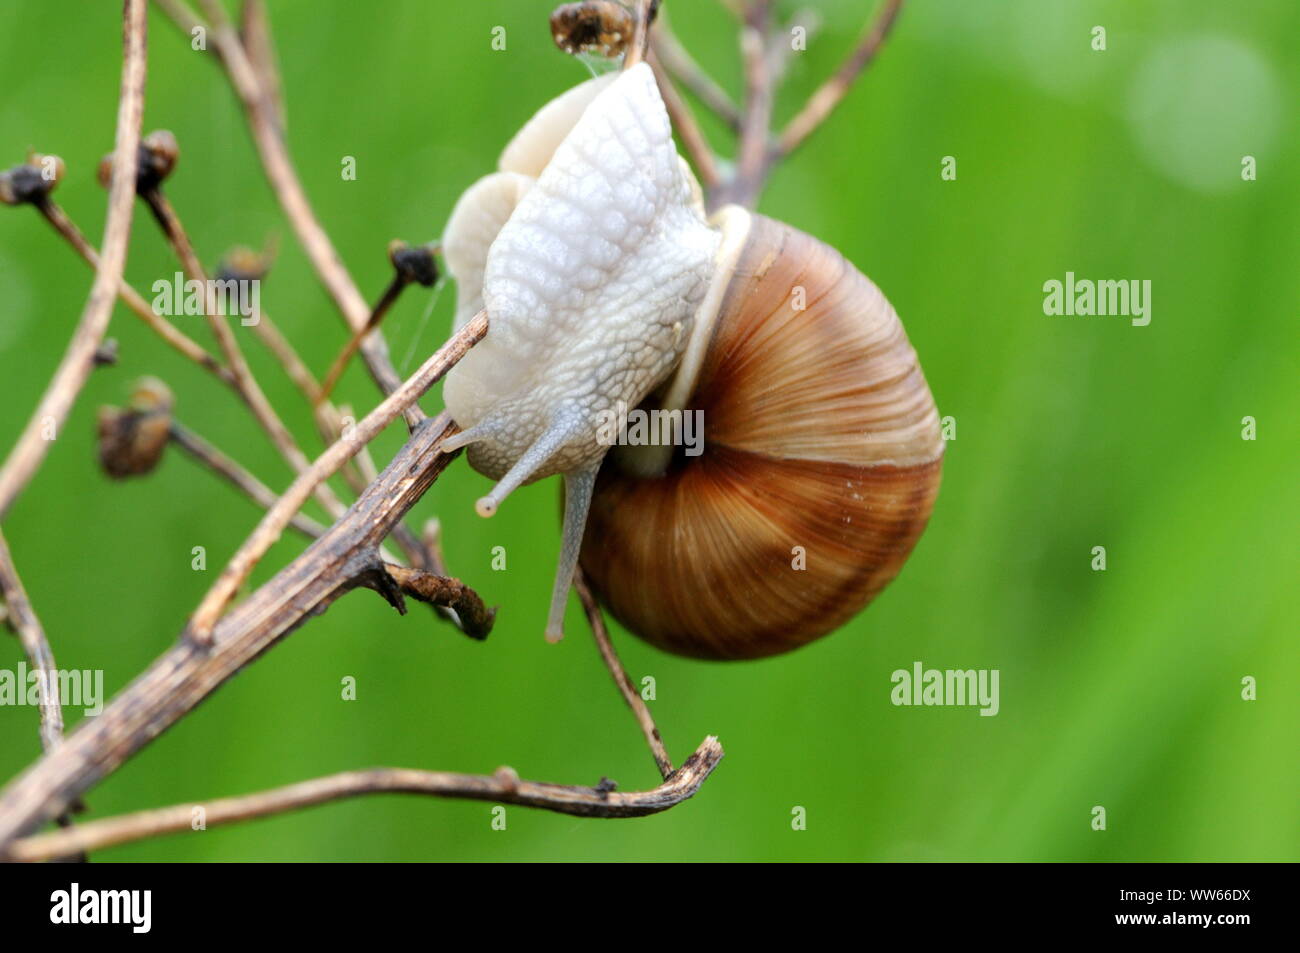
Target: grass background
1119	688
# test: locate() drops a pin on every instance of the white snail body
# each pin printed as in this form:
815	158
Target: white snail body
606	288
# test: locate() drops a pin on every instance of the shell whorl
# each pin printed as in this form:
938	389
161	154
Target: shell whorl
819	432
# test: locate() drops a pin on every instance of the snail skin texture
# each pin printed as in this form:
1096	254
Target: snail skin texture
607	288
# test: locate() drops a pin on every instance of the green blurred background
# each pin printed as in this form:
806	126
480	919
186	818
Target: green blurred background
1119	688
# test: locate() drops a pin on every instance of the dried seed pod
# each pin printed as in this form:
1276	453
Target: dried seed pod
32	181
158	155
131	441
601	27
415	263
242	263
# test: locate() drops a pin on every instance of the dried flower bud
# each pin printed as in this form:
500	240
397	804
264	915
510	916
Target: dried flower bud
602	27
243	264
32	181
414	263
131	441
158	154
106	353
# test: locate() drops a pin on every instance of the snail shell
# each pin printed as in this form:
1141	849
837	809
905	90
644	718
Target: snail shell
820	433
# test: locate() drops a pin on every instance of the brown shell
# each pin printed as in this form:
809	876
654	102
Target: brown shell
819	432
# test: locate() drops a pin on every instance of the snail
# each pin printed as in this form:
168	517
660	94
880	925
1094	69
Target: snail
608	291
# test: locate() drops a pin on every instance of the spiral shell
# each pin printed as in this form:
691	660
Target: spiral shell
821	450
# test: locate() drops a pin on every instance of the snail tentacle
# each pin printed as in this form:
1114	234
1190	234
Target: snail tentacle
564	427
466	437
578	487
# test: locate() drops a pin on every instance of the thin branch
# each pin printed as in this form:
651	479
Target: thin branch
780	54
230	471
682	67
327	416
63	224
268	531
249	389
823	102
625	685
255	33
433	586
377	314
79	360
752	163
440	590
242	264
267	137
683	120
22	618
504	787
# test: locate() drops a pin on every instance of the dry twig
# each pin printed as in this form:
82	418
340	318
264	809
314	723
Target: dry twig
22	618
346	557
267	136
268	531
600	632
249	389
683	120
68	230
823	102
752	164
504	787
79	360
226	468
681	66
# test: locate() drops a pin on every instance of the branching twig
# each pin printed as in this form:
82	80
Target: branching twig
752	163
503	787
255	32
344	558
268	531
377	314
279	169
79	360
410	265
247	384
432	587
682	66
828	96
63	224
